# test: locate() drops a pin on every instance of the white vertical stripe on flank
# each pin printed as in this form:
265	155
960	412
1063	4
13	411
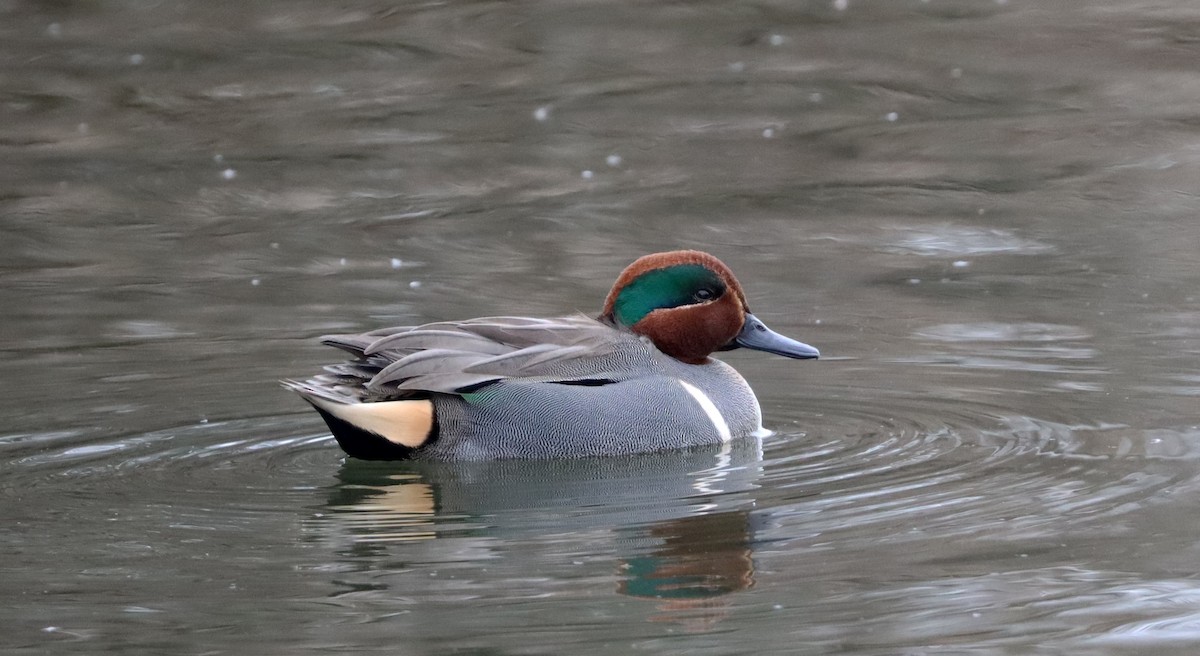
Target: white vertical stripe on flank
710	409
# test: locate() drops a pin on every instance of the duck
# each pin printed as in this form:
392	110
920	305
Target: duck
638	378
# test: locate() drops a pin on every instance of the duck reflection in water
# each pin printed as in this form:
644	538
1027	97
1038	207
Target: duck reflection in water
680	524
699	562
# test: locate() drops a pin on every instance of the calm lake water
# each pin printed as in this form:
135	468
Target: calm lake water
985	214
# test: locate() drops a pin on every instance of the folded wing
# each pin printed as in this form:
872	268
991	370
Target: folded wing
453	357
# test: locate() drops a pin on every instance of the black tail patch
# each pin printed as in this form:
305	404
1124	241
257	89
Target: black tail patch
362	444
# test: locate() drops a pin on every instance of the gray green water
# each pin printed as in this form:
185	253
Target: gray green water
985	214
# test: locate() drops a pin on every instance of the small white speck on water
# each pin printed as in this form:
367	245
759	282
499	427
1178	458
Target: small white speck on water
342	261
961	264
255	282
815	97
956	73
892	117
136	59
397	263
914	281
977	615
841	5
614	160
541	114
228	174
587	174
218	158
768	133
818	322
777	607
775	39
737	67
50	629
54	30
414	284
275	245
204	420
981	211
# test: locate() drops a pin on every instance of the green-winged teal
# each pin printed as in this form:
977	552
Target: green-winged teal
638	378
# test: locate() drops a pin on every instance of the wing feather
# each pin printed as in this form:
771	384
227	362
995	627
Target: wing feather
448	357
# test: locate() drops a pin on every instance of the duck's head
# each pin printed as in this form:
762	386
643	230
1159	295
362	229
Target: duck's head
689	304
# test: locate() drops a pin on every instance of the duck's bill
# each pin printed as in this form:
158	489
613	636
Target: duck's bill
755	335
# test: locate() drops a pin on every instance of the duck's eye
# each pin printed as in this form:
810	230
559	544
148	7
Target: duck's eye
705	294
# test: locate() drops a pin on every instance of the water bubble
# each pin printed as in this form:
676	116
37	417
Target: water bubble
892	117
414	284
613	160
775	39
841	5
586	174
815	97
218	158
956	73
255	282
768	133
54	30
396	263
541	114
229	174
342	261
136	59
959	264
737	67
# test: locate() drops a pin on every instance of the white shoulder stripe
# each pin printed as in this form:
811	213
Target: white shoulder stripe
710	409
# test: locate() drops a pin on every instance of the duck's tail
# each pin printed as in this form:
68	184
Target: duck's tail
380	430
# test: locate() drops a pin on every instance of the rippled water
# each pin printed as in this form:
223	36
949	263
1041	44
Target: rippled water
983	213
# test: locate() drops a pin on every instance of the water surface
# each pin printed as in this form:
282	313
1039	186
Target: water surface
983	213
